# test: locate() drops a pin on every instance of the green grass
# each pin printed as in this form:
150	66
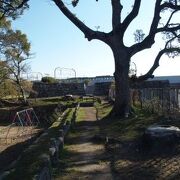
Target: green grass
69	114
103	109
44	101
80	115
130	128
127	129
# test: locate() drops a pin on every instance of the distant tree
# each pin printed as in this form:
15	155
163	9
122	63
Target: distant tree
86	81
14	46
123	54
27	87
49	80
16	54
8	89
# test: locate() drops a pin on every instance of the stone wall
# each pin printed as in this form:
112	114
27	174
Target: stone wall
102	88
58	89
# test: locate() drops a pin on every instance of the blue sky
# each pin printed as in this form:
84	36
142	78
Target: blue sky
56	42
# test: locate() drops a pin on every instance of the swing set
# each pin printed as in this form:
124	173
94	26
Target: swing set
23	126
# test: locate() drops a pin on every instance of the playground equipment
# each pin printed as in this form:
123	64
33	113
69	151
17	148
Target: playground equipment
23	126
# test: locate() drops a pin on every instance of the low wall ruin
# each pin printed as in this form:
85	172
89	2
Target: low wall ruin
58	89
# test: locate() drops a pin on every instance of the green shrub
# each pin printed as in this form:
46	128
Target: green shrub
48	79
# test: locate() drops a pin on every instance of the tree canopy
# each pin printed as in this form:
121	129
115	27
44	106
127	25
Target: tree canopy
9	10
13	9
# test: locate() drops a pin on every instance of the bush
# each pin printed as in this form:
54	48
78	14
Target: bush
49	80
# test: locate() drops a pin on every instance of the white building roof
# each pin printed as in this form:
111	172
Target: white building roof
171	79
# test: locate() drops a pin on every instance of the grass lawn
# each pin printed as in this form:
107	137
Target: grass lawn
80	115
131	128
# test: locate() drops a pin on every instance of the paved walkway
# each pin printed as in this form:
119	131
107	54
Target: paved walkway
87	159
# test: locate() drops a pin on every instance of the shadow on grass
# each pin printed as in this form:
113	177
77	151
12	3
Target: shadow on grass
129	159
73	161
129	163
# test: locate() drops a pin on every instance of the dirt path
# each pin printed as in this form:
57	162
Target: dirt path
86	159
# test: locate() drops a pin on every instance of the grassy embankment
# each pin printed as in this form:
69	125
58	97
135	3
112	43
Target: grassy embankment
31	160
128	129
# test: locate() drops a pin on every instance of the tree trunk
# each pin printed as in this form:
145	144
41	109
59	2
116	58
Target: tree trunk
23	94
122	100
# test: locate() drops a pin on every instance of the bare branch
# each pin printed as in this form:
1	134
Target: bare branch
149	74
156	19
170	17
149	40
169	49
170	6
116	13
132	15
169	29
89	33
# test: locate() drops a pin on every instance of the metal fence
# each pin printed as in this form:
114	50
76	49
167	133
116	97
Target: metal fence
165	101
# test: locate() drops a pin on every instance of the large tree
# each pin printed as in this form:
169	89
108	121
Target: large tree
123	54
